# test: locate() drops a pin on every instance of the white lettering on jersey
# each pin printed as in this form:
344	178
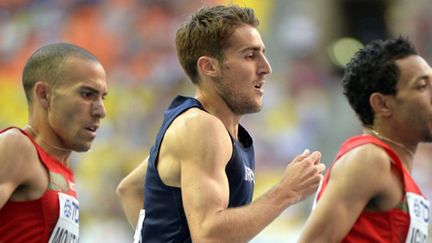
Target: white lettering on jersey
249	174
67	227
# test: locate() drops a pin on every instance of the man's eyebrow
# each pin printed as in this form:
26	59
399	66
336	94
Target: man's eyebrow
424	76
253	48
89	88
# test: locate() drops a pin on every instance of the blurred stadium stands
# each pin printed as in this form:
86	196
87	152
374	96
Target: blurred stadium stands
307	44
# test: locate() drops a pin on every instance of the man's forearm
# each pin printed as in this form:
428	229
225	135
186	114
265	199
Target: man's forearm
244	223
132	202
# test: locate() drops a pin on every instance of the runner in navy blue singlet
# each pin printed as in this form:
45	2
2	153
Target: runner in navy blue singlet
164	204
199	179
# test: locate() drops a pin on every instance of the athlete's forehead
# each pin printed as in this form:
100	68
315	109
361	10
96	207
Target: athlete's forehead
246	38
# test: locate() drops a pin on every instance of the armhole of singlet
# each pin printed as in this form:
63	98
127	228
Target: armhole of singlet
39	156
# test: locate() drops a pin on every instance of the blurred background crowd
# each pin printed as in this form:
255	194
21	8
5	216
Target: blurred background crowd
308	43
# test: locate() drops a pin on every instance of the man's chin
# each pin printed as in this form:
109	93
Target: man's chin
82	148
254	110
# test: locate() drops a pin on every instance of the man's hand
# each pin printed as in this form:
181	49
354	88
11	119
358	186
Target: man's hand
302	176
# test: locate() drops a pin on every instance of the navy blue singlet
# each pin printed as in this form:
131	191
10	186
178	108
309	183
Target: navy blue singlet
165	220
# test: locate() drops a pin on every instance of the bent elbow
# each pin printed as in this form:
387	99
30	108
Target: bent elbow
122	189
128	187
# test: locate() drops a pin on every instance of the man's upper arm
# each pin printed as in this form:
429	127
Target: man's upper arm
203	148
355	179
15	151
134	181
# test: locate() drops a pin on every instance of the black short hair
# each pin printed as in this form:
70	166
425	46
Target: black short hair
373	69
46	64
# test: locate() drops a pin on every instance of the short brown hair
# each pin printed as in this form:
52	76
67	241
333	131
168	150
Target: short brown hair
207	33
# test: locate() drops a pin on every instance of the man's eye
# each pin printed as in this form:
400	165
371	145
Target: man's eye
86	94
423	85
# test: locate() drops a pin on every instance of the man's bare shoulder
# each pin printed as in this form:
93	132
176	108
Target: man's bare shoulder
198	122
365	169
365	157
16	148
19	168
196	130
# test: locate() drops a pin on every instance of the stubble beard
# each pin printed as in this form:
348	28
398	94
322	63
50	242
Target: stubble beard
427	137
237	102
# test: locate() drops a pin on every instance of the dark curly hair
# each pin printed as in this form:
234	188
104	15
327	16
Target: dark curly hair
373	69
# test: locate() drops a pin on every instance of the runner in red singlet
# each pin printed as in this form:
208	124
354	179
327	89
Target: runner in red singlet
64	86
368	194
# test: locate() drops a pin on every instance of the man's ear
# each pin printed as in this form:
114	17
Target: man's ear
42	93
208	66
381	104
